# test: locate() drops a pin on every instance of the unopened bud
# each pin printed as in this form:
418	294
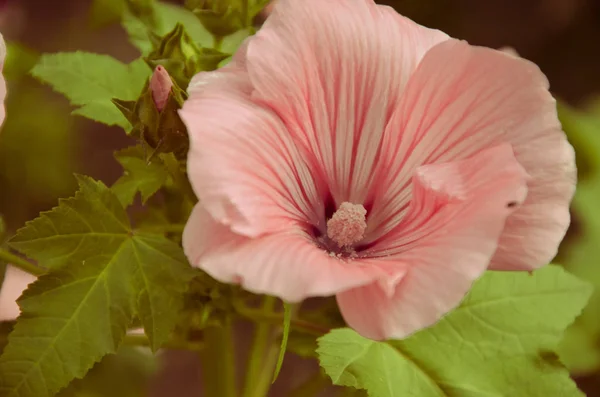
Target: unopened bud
160	85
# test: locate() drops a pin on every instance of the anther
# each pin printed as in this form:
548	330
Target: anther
347	225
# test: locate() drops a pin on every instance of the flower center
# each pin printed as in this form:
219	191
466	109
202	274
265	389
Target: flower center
347	225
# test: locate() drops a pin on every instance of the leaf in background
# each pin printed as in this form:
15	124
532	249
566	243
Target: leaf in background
91	81
580	252
104	12
36	153
497	343
169	15
287	318
19	61
256	6
140	175
103	273
233	41
302	344
583	131
125	374
579	348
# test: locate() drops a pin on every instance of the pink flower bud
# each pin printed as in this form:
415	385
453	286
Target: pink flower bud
160	85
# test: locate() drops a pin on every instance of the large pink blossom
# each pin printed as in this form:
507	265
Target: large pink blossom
2	82
348	151
15	282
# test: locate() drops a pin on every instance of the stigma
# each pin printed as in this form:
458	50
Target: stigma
347	225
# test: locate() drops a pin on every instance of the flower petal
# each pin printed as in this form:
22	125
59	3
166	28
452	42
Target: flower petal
15	282
288	265
444	242
242	163
333	70
460	100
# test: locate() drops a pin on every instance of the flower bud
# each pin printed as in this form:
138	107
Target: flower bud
160	86
154	115
177	53
220	17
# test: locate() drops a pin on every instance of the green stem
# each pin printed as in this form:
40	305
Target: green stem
218	362
217	42
21	263
260	316
262	359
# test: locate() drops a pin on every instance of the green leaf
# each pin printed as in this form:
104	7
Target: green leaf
102	274
578	350
125	374
91	223
140	175
287	318
168	16
90	81
497	343
232	42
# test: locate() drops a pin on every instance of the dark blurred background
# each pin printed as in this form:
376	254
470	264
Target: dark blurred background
38	158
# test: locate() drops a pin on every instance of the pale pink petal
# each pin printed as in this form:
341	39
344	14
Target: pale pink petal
243	165
463	99
2	81
2	51
333	70
288	265
15	282
444	242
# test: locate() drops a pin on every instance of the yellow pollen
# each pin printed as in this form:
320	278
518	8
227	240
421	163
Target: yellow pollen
347	225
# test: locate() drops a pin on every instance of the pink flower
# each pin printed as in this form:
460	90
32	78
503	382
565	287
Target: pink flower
160	85
2	82
347	150
15	282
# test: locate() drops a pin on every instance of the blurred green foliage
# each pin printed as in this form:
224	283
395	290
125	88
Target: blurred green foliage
580	252
38	143
125	374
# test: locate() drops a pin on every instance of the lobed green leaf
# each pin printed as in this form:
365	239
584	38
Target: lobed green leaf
168	16
102	273
140	175
497	343
90	81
